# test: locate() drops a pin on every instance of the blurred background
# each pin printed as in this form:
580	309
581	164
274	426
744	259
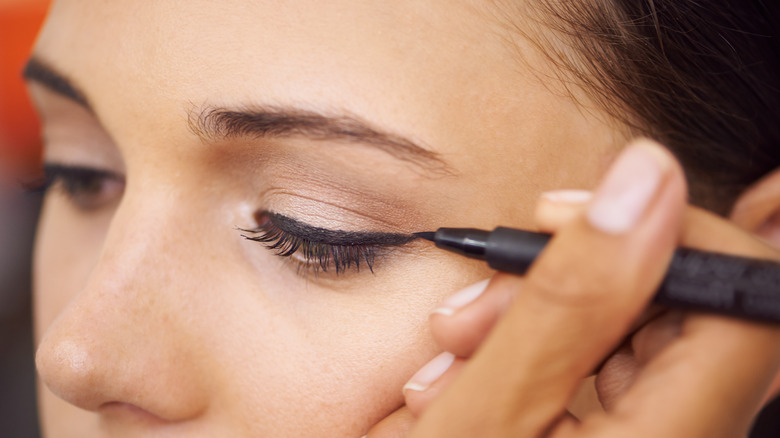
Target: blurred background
19	161
20	151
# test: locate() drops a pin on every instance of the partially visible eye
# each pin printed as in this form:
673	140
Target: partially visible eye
320	249
87	188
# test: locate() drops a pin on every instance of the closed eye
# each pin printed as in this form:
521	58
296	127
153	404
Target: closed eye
321	249
88	188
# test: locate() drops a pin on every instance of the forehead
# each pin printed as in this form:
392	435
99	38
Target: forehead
362	55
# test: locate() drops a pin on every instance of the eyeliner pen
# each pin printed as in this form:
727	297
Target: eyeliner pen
740	287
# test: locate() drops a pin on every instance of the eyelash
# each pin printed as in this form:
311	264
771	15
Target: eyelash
317	256
322	249
82	185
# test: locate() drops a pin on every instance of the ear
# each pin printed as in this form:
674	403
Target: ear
758	210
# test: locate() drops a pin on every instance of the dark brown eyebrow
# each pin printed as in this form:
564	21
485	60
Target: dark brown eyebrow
215	123
38	71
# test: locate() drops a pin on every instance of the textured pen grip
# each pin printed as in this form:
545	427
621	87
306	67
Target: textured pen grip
722	283
511	250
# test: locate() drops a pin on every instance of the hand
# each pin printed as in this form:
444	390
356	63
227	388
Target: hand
679	375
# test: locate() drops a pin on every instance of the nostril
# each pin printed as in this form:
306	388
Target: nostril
125	411
120	381
78	377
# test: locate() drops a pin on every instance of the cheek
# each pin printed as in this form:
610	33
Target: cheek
309	386
328	363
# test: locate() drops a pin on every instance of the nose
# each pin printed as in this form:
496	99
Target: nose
125	341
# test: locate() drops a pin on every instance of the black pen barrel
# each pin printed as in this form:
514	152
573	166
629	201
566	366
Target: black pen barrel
511	250
700	280
504	249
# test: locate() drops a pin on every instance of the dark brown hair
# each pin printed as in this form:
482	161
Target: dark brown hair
701	77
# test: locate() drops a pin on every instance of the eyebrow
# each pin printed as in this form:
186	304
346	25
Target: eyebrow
217	123
39	71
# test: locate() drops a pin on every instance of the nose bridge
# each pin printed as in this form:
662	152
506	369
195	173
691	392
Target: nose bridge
143	255
126	338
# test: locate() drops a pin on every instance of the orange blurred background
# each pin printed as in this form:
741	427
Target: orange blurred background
19	138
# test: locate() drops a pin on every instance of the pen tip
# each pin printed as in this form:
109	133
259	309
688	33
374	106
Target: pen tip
427	235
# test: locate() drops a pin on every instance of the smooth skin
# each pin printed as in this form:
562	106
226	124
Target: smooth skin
154	317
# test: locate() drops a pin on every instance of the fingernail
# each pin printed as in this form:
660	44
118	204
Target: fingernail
461	298
430	372
628	188
568	196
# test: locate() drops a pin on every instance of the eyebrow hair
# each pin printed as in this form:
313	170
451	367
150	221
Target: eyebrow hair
37	70
216	123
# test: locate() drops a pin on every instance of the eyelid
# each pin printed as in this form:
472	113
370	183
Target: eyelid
55	168
320	249
333	237
88	188
53	172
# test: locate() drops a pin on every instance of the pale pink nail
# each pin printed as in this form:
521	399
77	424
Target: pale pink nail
430	372
461	298
568	196
628	188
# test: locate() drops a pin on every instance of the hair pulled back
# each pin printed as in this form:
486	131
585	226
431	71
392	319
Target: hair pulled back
701	77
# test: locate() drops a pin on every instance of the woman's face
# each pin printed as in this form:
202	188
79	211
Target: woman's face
188	125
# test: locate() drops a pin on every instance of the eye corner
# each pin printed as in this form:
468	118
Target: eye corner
87	188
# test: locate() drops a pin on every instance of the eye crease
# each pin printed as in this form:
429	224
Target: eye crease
322	249
86	187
